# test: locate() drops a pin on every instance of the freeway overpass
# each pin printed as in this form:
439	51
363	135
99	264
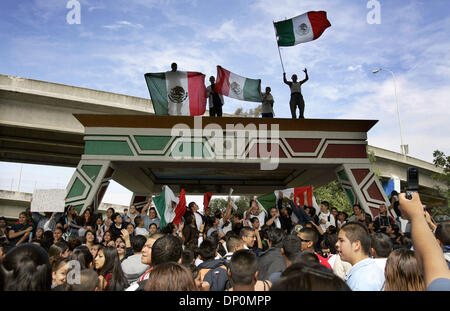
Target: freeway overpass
13	202
37	126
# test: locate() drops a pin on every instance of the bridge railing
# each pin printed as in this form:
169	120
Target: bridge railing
28	186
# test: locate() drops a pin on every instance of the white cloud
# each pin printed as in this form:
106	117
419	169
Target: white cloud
354	68
121	24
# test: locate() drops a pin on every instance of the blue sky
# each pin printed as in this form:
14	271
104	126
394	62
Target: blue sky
118	41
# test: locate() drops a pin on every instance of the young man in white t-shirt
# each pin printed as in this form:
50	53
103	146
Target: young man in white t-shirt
326	219
140	229
254	211
198	217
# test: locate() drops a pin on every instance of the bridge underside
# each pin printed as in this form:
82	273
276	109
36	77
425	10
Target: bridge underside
38	146
204	154
218	178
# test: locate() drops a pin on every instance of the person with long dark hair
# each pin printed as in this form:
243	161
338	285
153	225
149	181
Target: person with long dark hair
60	268
403	272
26	268
107	237
71	226
86	220
190	231
170	276
89	239
100	229
57	251
109	269
83	255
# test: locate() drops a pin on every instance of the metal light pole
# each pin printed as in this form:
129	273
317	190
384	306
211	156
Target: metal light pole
20	177
403	148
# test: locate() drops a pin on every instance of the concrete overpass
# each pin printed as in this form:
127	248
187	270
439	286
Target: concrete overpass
37	126
12	203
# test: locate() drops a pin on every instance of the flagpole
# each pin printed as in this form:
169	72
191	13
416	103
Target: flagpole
279	53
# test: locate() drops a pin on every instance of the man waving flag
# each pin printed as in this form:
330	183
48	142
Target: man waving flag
170	208
238	87
303	28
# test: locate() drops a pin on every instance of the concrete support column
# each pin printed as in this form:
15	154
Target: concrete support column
362	187
88	184
139	200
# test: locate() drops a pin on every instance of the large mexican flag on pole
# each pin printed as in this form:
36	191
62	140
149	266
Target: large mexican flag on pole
303	28
170	208
269	200
177	93
238	87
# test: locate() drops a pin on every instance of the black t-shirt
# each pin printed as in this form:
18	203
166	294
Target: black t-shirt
116	232
216	99
17	228
397	209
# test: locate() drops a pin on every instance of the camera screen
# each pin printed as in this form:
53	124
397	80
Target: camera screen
413	178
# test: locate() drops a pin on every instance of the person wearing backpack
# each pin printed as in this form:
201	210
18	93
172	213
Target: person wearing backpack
326	219
212	271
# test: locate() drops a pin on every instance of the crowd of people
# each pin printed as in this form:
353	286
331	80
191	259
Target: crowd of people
291	247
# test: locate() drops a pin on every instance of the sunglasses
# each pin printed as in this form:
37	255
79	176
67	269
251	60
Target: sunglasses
121	246
304	240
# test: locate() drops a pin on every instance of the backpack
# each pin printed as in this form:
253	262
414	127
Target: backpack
329	216
217	278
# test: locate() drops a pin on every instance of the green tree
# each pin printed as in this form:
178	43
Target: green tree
251	113
217	204
242	204
335	195
239	111
442	161
373	159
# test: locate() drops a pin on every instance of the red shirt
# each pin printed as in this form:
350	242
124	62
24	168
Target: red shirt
324	261
145	275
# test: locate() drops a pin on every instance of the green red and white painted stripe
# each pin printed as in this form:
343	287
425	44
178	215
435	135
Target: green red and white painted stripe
303	28
238	87
177	93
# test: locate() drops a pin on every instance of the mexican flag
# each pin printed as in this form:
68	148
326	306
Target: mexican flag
206	199
177	93
235	86
303	28
169	207
269	200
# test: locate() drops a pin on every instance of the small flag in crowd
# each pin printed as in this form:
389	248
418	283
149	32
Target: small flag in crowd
177	93
164	206
269	200
303	28
235	86
181	208
206	199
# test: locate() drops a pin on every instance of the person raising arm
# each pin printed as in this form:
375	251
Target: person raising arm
429	254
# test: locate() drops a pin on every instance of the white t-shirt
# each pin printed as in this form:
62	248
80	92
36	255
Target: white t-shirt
141	231
266	106
277	223
198	220
325	217
381	262
332	260
261	216
227	227
341	223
